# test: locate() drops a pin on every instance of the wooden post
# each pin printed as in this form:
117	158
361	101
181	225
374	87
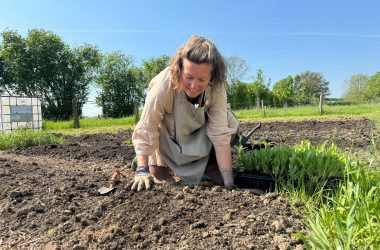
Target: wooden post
320	104
75	113
136	113
257	102
262	106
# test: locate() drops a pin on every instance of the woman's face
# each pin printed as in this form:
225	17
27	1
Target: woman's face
195	77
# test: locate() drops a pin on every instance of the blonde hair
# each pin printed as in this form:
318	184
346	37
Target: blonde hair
198	50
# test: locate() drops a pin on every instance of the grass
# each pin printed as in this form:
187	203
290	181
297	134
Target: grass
23	138
349	218
312	112
90	126
92	130
375	117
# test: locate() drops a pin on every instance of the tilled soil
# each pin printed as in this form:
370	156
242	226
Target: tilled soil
347	134
49	198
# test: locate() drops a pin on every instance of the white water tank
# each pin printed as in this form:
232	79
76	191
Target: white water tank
19	112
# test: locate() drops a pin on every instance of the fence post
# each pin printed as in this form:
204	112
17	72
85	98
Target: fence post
258	102
262	106
320	104
75	113
136	113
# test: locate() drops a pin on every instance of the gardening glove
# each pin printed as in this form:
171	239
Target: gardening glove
142	180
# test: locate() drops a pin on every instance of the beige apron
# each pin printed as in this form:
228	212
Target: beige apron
186	151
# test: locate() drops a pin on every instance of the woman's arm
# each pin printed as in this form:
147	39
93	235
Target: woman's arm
142	160
224	159
159	101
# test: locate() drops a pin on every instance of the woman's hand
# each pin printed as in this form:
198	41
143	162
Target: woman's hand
224	159
143	180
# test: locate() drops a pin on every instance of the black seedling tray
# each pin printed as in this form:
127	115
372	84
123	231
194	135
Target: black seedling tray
265	183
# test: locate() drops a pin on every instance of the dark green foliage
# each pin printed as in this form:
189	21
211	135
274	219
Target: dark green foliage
249	95
283	92
121	84
372	91
153	66
42	65
308	86
238	95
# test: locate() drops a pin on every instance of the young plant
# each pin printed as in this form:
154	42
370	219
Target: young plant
305	165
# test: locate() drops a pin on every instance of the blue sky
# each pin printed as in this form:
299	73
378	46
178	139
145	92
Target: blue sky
334	37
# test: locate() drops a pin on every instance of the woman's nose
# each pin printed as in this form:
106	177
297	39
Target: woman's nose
193	83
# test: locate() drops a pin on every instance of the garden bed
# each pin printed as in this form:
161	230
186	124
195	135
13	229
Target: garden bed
49	198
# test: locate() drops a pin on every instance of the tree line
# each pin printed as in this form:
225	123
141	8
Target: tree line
304	88
41	64
363	88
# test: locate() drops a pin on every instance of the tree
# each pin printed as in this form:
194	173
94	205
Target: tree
309	85
43	65
13	60
154	65
257	90
237	68
121	85
6	78
356	88
283	91
239	99
372	91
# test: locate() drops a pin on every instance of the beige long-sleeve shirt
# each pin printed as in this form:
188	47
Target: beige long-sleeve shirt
158	107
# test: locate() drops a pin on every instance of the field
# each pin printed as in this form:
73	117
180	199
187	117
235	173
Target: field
49	198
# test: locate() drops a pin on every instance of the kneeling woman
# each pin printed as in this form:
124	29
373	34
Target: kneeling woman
185	125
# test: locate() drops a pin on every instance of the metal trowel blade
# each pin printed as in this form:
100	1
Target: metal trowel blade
105	190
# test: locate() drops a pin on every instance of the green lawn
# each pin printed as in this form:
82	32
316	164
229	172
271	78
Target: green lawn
90	126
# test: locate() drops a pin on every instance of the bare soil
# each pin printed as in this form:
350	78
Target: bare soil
49	198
